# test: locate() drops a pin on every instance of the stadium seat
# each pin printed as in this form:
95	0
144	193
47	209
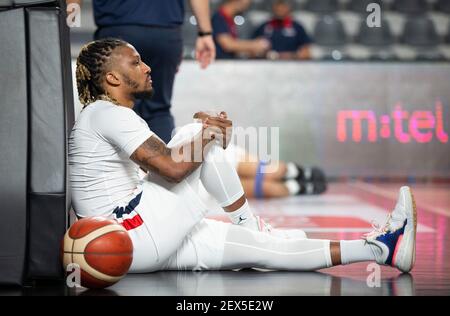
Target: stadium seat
448	34
258	17
443	6
445	50
351	21
307	19
329	31
189	30
405	52
360	6
322	6
396	22
298	4
214	5
382	55
429	55
440	21
244	26
334	55
358	52
261	5
188	51
375	36
420	31
411	6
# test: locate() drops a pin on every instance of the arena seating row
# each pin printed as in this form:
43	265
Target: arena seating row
404	34
410	29
359	6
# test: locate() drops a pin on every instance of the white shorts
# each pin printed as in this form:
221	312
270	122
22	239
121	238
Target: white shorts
169	232
202	249
158	221
166	223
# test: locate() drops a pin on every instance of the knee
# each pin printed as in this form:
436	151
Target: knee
184	134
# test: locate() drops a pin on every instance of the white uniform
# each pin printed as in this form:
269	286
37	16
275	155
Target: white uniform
166	221
160	220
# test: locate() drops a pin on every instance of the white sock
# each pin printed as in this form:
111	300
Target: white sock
244	216
293	186
357	251
291	171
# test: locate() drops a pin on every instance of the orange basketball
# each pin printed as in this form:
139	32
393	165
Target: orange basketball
102	249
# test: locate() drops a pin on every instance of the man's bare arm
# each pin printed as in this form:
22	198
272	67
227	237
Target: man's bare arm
202	14
154	155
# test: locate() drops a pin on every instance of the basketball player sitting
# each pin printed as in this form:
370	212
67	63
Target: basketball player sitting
163	214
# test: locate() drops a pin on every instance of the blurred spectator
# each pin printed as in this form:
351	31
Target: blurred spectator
228	44
288	38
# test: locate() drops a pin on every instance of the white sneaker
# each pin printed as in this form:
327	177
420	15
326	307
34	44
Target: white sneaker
283	233
397	237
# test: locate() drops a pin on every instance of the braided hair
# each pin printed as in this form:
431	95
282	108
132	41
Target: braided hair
91	68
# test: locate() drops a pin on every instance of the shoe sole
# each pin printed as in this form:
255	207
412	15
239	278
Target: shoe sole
406	256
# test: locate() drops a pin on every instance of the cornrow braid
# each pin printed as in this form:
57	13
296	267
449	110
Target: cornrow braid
91	68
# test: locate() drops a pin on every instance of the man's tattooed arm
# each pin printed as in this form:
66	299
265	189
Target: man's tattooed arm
153	155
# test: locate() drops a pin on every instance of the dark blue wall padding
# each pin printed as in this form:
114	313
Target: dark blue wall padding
50	105
13	146
36	116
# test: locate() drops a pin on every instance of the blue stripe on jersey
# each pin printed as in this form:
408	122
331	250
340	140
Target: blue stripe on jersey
119	211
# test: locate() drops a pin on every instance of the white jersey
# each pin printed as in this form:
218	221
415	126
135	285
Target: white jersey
101	174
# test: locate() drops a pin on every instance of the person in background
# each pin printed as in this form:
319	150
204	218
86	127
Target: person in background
154	28
288	38
287	179
228	43
276	179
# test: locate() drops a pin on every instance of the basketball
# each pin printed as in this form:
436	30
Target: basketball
101	248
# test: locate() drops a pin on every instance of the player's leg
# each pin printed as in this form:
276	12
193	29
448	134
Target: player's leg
220	179
257	183
393	244
217	175
280	170
244	248
250	249
214	245
202	249
158	222
248	169
270	189
298	180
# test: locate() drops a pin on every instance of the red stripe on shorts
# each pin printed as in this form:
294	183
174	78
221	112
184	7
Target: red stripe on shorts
132	223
